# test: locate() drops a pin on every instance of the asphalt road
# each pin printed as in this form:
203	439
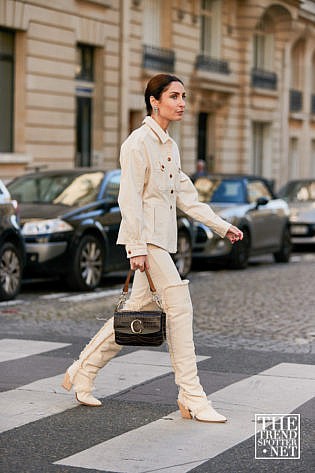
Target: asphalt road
254	334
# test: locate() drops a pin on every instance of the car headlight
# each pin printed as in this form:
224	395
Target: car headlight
42	227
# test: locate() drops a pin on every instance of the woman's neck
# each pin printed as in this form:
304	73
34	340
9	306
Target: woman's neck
163	122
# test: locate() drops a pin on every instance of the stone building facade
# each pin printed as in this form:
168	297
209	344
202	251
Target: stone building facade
73	72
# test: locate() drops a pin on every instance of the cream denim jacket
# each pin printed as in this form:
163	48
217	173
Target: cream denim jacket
152	186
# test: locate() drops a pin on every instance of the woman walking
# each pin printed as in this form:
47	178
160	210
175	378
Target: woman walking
152	186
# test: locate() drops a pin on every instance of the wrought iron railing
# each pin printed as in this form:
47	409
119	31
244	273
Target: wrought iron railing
264	79
159	59
208	63
296	100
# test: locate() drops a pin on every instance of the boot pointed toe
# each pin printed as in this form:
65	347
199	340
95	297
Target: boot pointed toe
86	399
206	413
209	414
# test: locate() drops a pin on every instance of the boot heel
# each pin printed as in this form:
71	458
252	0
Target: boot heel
66	384
184	412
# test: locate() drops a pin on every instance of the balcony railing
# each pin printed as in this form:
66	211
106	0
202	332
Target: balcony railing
264	79
296	100
207	63
159	59
313	104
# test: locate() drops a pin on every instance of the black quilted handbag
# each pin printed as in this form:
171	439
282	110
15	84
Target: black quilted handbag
139	328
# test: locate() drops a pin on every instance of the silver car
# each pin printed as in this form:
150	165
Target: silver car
300	196
249	203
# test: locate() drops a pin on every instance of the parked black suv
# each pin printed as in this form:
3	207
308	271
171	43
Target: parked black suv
70	221
12	249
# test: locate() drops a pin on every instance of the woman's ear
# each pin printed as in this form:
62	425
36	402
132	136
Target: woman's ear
153	101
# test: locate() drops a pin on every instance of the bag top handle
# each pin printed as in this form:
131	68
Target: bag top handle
126	285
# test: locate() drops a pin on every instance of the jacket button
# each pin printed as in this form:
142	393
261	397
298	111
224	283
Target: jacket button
172	191
171	175
169	158
171	207
162	166
129	252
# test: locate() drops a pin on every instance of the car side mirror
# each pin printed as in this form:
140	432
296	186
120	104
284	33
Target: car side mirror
261	201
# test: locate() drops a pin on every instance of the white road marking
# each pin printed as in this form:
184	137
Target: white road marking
90	296
54	295
12	303
28	404
295	259
14	348
174	445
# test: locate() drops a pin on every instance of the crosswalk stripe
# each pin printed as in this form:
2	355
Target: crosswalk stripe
14	348
28	404
173	445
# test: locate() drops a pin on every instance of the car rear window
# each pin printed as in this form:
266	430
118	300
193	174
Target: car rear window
298	191
64	189
220	190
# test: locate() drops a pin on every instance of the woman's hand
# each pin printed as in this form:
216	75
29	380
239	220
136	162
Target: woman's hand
234	234
139	262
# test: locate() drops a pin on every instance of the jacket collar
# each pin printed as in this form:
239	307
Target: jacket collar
155	127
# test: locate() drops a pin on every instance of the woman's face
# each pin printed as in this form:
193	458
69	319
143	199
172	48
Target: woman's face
171	104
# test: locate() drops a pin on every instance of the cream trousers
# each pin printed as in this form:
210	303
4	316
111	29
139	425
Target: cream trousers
177	304
179	318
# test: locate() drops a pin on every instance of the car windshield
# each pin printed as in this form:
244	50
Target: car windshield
219	190
298	191
64	189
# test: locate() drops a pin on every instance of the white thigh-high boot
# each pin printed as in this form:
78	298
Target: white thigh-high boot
192	399
99	351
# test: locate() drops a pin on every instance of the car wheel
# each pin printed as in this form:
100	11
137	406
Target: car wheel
88	264
283	255
240	253
183	257
10	271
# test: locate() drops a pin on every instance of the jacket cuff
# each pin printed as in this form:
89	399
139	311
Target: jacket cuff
139	249
224	229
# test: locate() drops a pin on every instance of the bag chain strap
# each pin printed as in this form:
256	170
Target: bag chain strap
124	295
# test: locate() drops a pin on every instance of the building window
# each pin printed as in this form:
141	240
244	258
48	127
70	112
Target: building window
135	119
84	104
84	63
293	158
6	90
152	23
155	55
263	45
313	87
297	76
206	140
261	149
210	31
210	39
312	170
263	55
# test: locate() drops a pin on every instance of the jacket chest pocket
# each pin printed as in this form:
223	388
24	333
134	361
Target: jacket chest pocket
166	177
